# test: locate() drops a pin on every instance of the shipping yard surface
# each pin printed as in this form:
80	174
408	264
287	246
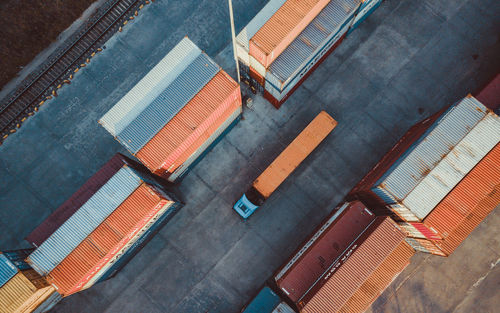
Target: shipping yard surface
406	61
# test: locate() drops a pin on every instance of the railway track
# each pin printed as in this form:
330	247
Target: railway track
76	52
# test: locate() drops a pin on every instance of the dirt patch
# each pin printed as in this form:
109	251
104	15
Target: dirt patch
29	26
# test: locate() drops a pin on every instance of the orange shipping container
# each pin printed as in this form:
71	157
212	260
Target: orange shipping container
282	28
163	153
468	203
352	286
294	154
87	258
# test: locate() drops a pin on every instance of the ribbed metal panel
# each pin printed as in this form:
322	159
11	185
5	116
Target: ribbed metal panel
255	24
426	152
168	103
52	251
365	10
7	270
15	292
307	45
150	86
283	308
454	166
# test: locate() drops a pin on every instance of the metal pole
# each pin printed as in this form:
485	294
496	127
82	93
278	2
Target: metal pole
233	37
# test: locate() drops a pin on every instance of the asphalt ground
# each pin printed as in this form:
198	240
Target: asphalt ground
406	61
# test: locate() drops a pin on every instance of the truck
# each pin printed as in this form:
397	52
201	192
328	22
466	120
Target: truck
289	159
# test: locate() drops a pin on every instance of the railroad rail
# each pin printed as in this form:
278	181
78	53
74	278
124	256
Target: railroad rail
75	53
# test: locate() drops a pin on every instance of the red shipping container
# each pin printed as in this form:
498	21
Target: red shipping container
334	238
468	203
162	154
282	28
91	255
490	95
347	288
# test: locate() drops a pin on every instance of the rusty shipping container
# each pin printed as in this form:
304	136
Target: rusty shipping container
282	28
467	204
178	139
354	282
95	255
340	231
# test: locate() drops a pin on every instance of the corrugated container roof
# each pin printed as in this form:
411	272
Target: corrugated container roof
256	23
7	270
70	206
325	247
283	308
103	239
42	301
150	86
296	55
67	237
265	302
426	152
170	101
15	292
468	203
347	279
380	279
284	26
454	166
190	123
294	154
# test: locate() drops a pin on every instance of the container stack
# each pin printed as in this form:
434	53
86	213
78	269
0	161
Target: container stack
95	232
353	251
442	178
21	288
177	112
287	40
267	301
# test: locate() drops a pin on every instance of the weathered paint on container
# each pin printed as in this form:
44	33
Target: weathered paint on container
17	257
257	71
324	247
7	270
67	237
333	22
43	302
150	87
411	168
294	154
343	284
367	8
163	153
91	255
70	206
209	139
22	292
265	302
243	38
468	203
170	101
423	245
490	95
419	230
282	28
453	167
277	99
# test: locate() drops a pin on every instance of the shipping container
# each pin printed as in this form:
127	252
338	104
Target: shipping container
282	28
366	9
27	292
267	301
91	214
288	160
7	270
316	39
355	281
419	230
423	245
332	241
467	204
243	38
150	87
96	254
178	139
70	206
490	95
433	164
